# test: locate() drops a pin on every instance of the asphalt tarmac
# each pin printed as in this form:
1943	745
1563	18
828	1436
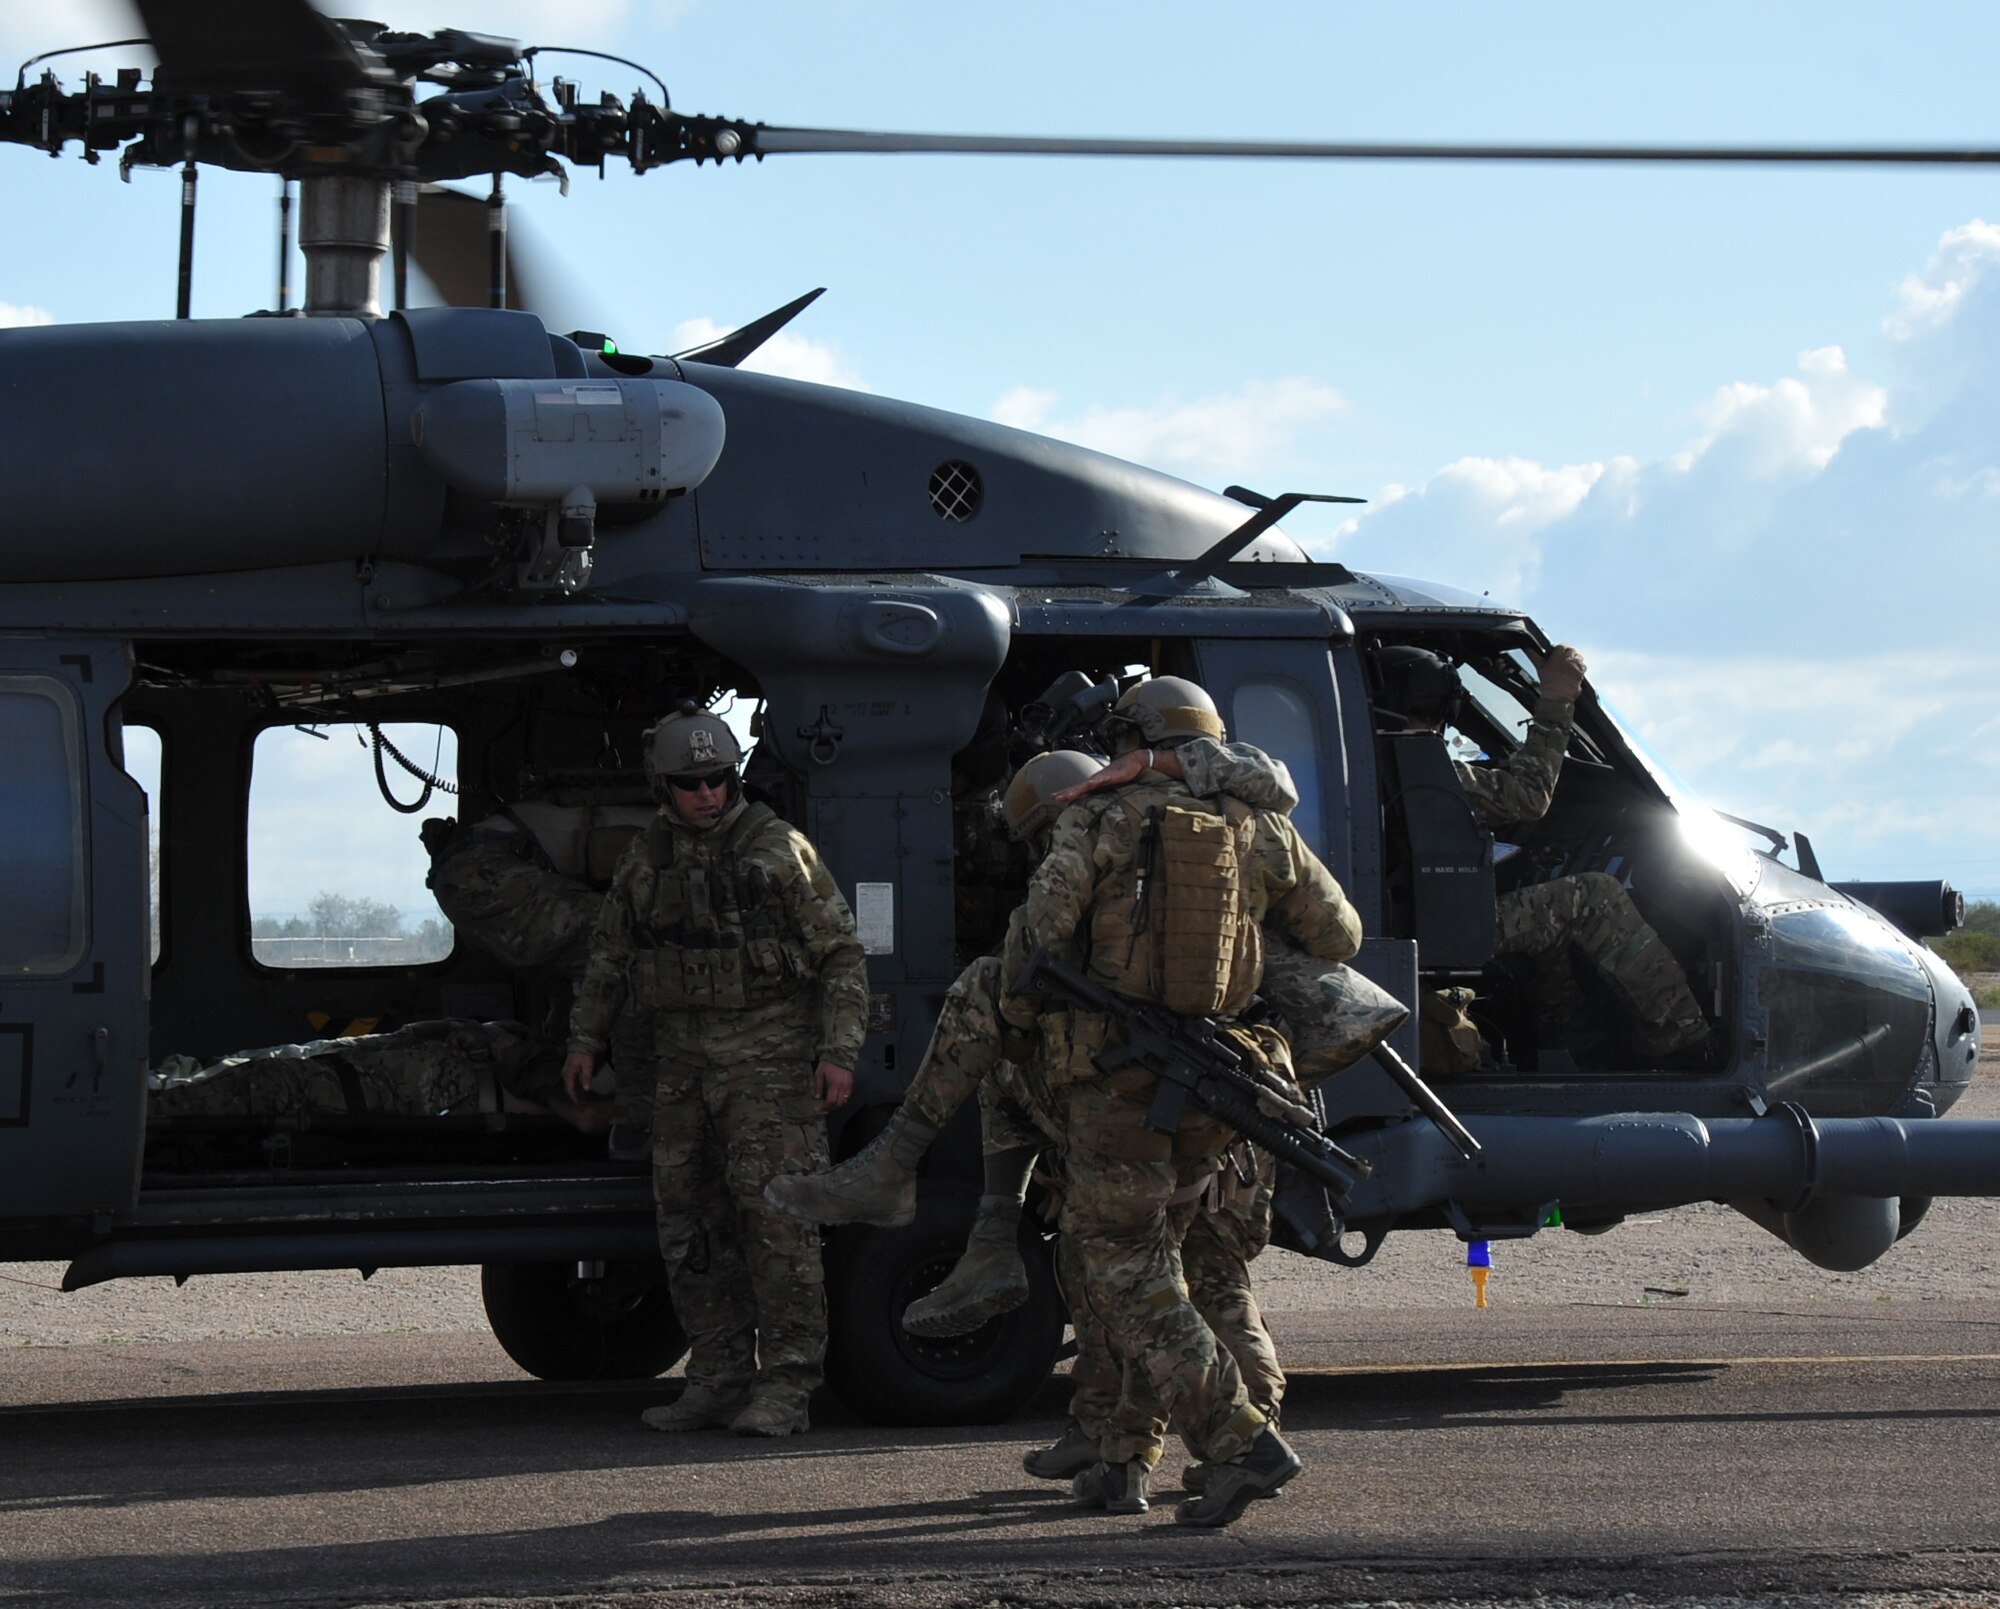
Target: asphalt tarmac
1575	1452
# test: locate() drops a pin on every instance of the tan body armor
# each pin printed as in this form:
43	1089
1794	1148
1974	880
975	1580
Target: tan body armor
712	931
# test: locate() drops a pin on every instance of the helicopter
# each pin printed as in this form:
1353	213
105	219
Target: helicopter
384	517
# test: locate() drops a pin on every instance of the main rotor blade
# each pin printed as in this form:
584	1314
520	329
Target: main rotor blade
771	141
216	46
451	246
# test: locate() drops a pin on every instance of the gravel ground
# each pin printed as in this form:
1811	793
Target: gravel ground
1705	1254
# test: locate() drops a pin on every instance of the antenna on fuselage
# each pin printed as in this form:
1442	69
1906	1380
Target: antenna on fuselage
1270	510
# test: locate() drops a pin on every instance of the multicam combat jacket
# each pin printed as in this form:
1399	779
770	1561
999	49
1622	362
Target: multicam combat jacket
1241	770
1520	788
738	917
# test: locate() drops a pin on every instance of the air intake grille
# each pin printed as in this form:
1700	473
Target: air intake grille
955	491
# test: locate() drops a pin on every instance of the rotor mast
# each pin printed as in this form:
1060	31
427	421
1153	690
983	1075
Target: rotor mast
344	233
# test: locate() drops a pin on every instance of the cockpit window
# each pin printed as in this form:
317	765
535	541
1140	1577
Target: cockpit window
1507	712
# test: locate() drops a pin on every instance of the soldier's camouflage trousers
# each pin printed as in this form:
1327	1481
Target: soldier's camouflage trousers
735	1108
963	1059
422	1070
1219	1233
1122	1229
1592	915
1231	1225
964	1052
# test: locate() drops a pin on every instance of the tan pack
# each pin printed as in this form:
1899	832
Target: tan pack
1182	933
1447	1037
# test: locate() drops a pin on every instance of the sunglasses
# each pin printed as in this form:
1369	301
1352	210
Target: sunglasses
708	779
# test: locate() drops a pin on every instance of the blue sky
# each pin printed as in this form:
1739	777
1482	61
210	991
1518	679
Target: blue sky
1733	433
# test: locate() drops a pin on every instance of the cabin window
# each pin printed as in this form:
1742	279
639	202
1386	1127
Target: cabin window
336	871
142	765
1275	716
42	852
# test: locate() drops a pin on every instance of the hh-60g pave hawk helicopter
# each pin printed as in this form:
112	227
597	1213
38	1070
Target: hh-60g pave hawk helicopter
457	517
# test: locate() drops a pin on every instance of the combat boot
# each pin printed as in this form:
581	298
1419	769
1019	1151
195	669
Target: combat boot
1071	1454
877	1185
990	1279
700	1407
772	1413
1115	1488
1683	1039
1232	1487
1194	1480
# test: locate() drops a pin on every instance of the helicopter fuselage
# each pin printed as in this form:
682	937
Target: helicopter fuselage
457	519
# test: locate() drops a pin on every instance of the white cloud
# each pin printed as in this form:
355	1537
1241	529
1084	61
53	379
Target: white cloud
1881	758
1478	522
1930	299
1518	492
1796	424
789	355
1799	599
13	316
1489	524
1186	436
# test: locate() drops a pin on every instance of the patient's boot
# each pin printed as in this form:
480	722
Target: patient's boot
877	1185
990	1279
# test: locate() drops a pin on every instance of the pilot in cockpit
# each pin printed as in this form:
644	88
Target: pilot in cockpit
1587	917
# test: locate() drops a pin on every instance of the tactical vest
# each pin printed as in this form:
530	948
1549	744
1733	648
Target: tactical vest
1175	926
712	933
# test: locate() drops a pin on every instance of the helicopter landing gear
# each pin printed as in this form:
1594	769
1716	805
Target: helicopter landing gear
592	1321
889	1376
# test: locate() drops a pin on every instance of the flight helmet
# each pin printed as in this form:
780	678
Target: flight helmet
1418	685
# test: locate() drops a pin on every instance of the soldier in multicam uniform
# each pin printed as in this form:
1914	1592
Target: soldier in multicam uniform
1331	1017
1590	914
1123	1181
426	1069
723	925
1018	1116
526	885
1334	1015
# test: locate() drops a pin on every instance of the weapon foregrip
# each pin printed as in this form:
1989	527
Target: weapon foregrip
1334	1167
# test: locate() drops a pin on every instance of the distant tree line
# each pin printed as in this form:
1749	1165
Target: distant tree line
340	930
1976	946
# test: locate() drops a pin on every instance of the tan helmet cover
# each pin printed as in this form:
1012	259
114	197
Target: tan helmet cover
1027	805
685	745
1169	709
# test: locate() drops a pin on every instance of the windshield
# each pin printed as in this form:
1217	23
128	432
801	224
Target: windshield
1707	834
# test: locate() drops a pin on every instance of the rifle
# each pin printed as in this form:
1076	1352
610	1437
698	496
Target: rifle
1195	1063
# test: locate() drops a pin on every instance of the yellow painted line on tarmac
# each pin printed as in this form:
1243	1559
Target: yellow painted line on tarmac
1330	1370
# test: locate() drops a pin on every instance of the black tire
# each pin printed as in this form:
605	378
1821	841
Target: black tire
558	1327
890	1377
